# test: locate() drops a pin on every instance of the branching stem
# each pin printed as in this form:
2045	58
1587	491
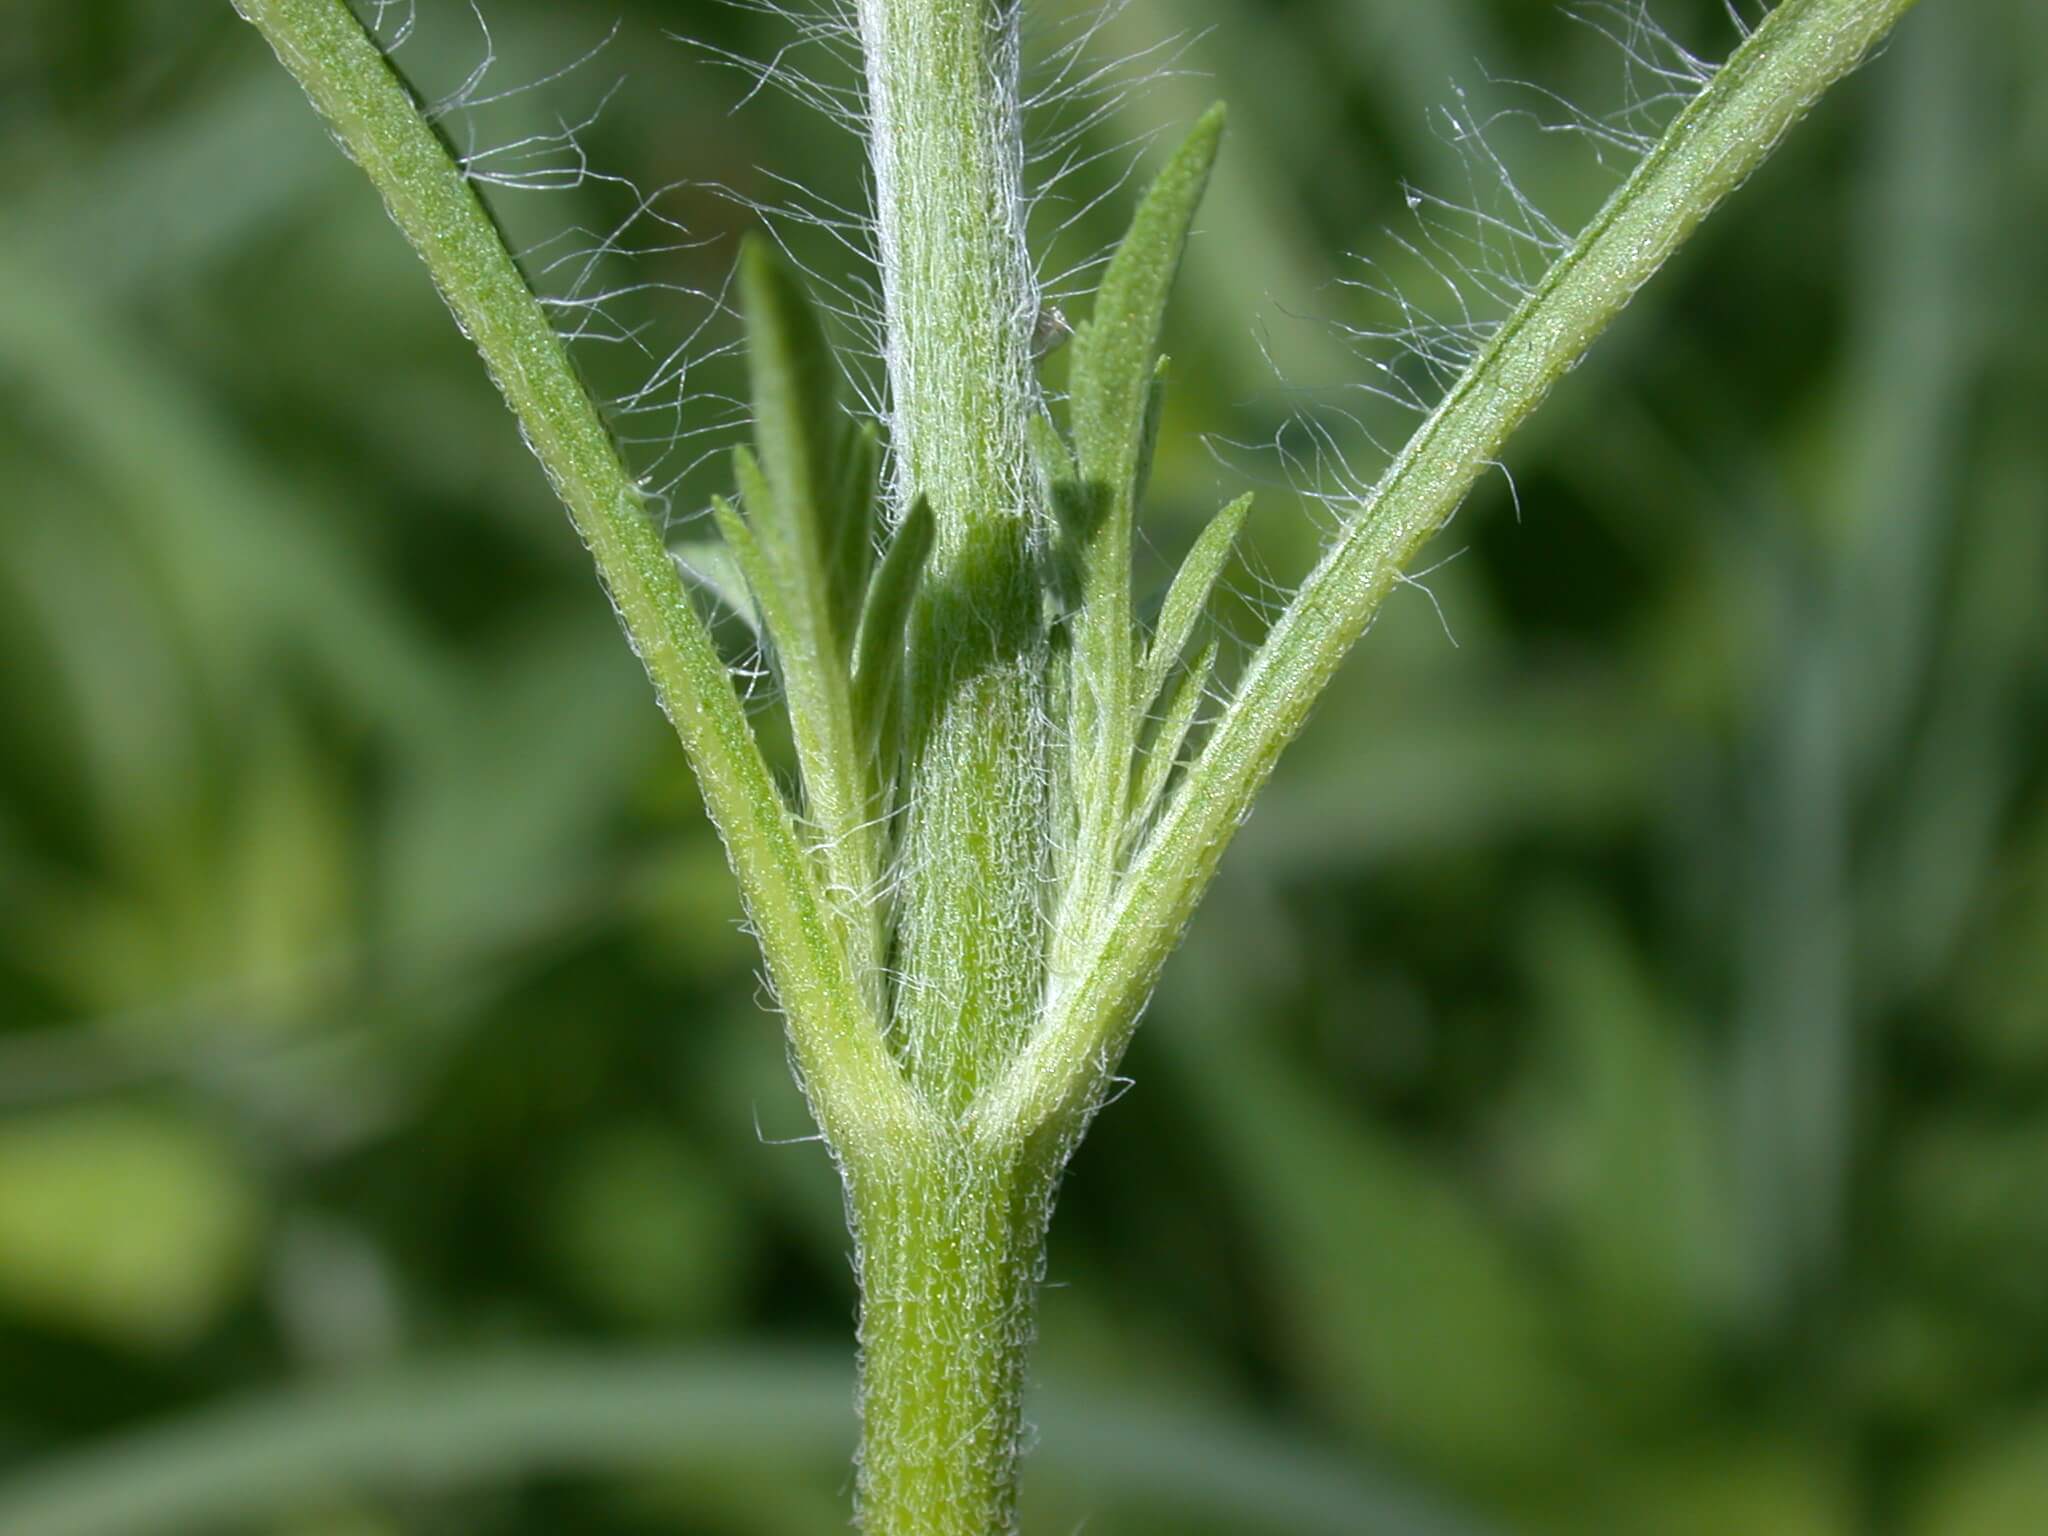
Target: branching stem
949	1072
855	1088
1766	86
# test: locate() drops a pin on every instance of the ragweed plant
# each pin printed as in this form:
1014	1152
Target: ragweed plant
1004	811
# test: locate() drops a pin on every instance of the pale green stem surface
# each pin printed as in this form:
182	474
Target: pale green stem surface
857	1092
949	1239
961	302
947	152
950	1249
1766	86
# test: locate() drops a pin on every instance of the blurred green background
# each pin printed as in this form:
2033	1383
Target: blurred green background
1607	1090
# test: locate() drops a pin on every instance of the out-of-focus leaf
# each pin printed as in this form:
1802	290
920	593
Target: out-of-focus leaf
123	732
1998	1488
1167	1460
505	802
1778	1486
1641	1165
133	1225
1969	1203
251	559
646	1230
169	182
1508	754
2004	1018
713	567
1257	238
1407	1310
441	1427
332	1519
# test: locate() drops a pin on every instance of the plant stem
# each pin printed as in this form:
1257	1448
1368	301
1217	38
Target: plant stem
1802	48
855	1089
950	1235
951	1128
947	152
949	1259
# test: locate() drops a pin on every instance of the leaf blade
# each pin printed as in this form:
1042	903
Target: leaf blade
1116	353
790	370
435	203
1187	597
1115	374
1164	754
884	621
712	566
802	499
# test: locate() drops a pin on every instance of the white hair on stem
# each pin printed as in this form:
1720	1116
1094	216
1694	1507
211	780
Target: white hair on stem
1418	314
596	277
1072	95
391	22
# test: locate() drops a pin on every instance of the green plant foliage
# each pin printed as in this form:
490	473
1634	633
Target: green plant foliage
1603	1091
1188	598
715	565
1169	735
879	649
1116	382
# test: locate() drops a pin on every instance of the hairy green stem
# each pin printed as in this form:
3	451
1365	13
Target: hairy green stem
949	1076
857	1092
961	302
950	1249
949	1242
948	166
1766	86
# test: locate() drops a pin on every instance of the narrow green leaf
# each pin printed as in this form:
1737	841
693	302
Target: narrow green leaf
1116	353
795	425
851	559
810	520
1647	1228
1188	596
1171	736
1148	432
1114	374
878	664
1782	68
752	565
712	566
757	496
435	202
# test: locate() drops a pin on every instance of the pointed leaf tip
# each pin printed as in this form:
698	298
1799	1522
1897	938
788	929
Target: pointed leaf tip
1116	353
791	369
812	496
714	566
1113	409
